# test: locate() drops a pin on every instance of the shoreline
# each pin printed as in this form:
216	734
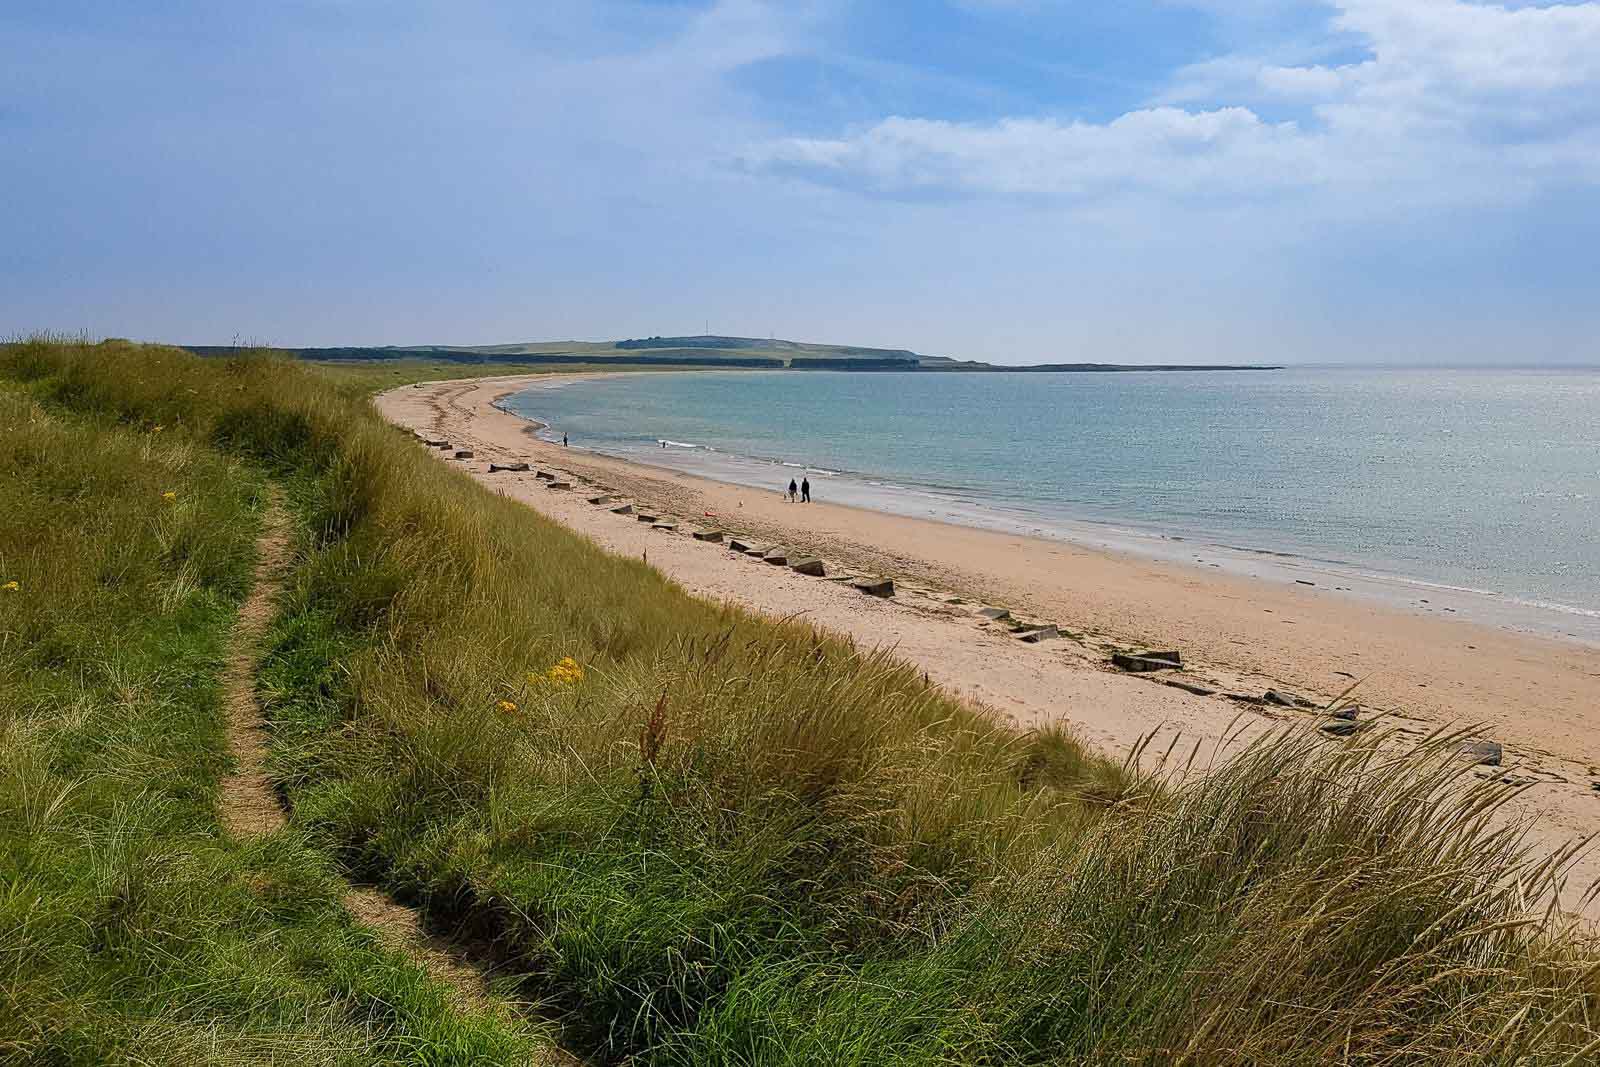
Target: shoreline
1192	549
1238	635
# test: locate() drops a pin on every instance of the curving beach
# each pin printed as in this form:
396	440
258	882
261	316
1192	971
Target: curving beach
1239	636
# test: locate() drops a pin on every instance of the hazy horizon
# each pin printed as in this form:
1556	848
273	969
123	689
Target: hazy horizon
1440	364
1167	181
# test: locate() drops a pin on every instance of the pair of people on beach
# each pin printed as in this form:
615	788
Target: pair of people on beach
802	492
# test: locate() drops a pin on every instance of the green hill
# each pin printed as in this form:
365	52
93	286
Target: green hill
705	350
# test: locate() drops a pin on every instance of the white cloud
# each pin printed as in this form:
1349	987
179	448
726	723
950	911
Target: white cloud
1454	101
1160	148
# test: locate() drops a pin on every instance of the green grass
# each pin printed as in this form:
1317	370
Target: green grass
736	841
131	928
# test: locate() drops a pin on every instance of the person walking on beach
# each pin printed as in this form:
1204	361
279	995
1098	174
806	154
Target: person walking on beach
792	490
805	490
563	440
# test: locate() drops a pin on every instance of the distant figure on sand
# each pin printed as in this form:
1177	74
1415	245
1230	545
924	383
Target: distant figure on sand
805	490
793	489
563	440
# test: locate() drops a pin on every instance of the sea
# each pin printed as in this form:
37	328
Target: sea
1466	492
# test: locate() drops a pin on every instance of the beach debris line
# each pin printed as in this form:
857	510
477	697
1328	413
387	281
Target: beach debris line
1189	687
809	565
1289	700
1142	662
1488	753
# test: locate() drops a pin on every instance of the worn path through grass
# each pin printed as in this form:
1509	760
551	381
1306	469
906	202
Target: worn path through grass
248	804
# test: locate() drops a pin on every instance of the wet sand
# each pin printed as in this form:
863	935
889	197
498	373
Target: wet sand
1538	696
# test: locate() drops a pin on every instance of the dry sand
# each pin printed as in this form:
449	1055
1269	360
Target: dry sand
1536	696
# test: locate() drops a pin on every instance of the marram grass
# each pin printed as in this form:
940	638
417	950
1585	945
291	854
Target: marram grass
716	839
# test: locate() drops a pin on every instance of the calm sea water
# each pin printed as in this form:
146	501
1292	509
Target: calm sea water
1476	480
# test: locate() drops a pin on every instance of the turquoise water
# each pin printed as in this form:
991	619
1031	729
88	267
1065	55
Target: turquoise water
1480	480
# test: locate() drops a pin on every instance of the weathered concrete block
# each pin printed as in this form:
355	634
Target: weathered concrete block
545	475
711	536
994	614
1140	663
647	516
778	557
464	453
603	498
878	587
495	468
670	527
559	485
1041	633
625	509
809	565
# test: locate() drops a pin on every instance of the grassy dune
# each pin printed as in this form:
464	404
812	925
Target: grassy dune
711	838
131	928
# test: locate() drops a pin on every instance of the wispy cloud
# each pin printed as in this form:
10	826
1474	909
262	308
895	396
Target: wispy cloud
1163	149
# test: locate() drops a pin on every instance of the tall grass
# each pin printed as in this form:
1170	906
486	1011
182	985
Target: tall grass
739	841
131	929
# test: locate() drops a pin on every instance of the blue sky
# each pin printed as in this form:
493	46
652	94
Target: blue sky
1014	180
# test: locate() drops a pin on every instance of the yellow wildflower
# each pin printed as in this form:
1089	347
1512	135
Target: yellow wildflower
156	428
169	496
567	672
12	586
507	706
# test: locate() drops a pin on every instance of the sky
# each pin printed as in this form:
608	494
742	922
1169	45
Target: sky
1406	181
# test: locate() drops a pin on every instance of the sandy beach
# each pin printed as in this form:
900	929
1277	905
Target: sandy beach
1239	636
